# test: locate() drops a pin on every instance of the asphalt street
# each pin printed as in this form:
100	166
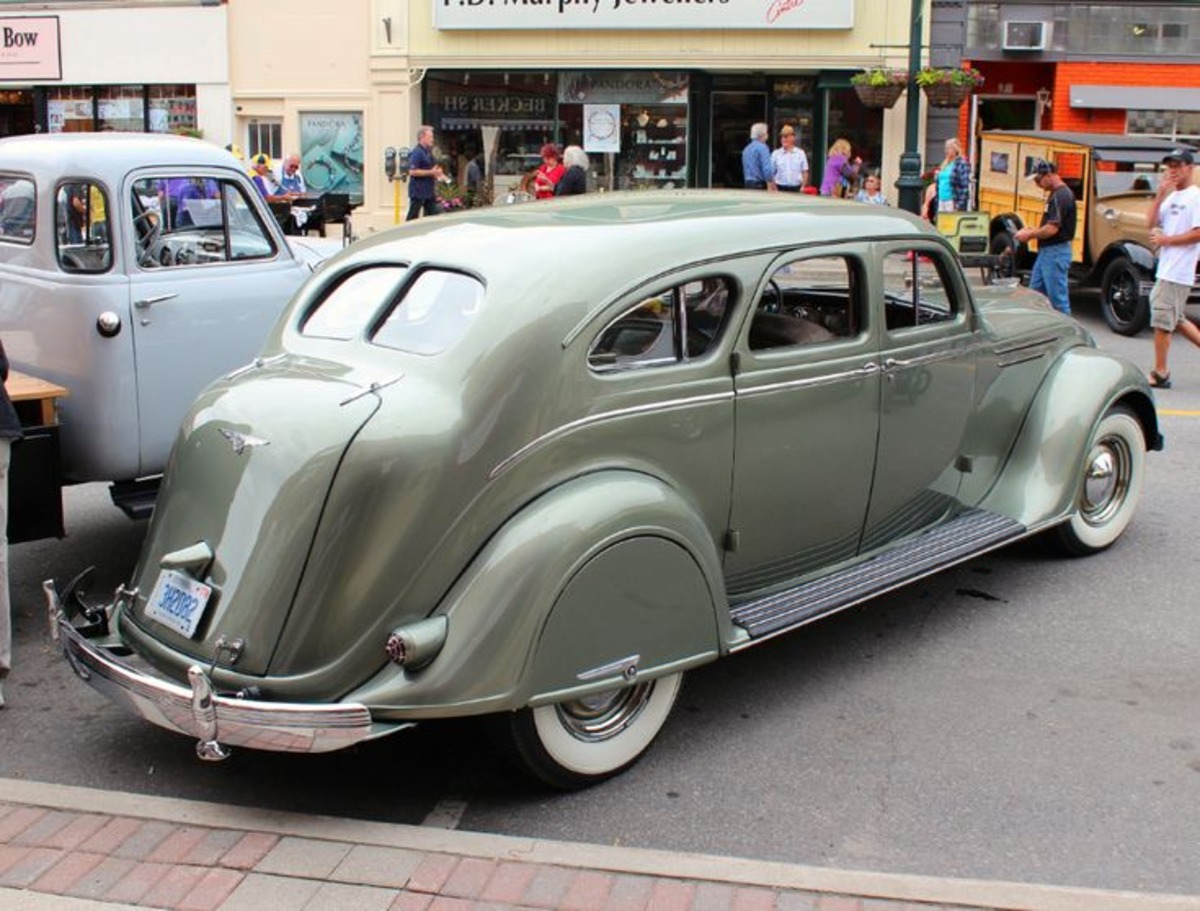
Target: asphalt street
1023	717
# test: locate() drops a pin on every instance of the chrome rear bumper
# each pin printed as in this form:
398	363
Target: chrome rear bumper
216	721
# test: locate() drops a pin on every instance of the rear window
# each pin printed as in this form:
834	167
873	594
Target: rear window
16	210
352	303
434	313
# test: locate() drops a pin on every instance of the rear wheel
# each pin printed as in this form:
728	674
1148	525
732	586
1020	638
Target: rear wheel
1125	310
580	742
1111	486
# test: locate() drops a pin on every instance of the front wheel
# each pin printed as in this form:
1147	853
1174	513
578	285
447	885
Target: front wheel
1125	310
1111	485
1004	249
583	741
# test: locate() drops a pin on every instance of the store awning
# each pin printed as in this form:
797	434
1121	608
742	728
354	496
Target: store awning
1138	98
475	123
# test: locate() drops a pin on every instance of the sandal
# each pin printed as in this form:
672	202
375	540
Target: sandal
1160	380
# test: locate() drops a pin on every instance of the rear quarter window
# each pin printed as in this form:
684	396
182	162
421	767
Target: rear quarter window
434	313
17	209
351	304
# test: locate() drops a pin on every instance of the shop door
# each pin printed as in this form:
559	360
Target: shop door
732	115
16	113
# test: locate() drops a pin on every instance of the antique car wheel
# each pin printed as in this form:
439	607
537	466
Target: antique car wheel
1111	485
577	743
1004	248
1121	298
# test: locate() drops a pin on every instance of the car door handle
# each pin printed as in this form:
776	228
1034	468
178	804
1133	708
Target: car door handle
869	368
156	299
896	364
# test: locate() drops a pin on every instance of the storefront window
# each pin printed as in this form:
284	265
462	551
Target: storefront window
71	109
331	152
265	135
121	107
501	120
172	108
862	127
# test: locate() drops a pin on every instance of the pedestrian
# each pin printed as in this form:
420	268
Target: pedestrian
262	176
1054	236
291	181
790	163
10	429
840	168
574	179
548	173
1174	220
423	171
757	171
872	191
953	180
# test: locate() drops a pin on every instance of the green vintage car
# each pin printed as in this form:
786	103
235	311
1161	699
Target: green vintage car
537	462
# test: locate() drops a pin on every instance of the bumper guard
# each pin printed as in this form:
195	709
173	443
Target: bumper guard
216	721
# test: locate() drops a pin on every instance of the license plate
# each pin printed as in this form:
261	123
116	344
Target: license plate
178	601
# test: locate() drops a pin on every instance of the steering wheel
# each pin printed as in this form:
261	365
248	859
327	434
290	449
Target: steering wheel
149	230
777	293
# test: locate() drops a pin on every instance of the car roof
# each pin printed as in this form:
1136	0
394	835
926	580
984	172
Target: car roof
570	256
1098	141
108	156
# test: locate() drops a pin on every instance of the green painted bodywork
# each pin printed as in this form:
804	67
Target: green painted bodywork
567	522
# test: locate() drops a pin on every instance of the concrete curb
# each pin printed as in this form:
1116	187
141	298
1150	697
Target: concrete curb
647	862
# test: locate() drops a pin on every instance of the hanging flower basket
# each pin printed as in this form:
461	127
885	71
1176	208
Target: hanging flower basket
946	94
879	96
947	87
879	87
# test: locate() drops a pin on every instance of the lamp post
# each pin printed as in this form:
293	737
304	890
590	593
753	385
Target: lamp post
909	182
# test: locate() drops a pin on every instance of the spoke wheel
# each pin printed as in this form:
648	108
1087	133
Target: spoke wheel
582	741
1121	298
1110	487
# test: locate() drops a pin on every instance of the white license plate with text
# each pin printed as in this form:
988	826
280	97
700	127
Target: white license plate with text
178	601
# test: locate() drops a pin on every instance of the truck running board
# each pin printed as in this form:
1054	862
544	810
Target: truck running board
973	533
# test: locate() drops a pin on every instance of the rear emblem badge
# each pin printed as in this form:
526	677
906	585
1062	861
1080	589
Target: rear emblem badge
240	441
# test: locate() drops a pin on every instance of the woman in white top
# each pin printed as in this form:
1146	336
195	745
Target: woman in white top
791	164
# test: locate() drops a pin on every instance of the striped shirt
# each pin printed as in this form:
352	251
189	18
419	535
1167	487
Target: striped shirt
789	166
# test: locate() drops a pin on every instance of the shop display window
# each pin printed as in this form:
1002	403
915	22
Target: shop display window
172	108
121	107
71	109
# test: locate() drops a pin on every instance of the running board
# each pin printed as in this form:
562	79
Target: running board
969	535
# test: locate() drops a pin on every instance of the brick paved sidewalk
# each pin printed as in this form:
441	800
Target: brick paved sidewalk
134	851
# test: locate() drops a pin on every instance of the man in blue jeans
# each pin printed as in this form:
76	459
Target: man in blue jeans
1054	236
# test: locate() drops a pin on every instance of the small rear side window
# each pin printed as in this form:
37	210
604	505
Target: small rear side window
81	222
350	306
434	313
17	206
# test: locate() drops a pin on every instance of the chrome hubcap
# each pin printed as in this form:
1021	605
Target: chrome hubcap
604	715
1106	482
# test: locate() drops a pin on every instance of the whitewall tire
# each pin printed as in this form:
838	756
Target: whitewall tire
1113	470
573	744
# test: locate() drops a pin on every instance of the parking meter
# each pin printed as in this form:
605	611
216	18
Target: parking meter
389	162
402	165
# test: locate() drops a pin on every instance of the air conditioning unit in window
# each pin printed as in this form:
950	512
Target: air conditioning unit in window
1025	35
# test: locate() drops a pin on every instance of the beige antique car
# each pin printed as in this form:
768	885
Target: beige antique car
1114	179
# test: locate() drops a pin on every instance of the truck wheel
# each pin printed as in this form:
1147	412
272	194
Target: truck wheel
1004	248
1113	470
1125	310
583	741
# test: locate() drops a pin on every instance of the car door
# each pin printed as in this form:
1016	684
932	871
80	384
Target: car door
209	276
807	398
928	353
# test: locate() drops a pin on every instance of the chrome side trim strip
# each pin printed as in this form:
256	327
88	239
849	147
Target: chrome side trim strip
1002	350
572	426
866	370
1021	358
624	667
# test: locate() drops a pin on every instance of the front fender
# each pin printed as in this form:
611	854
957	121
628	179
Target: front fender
1140	256
605	567
1038	484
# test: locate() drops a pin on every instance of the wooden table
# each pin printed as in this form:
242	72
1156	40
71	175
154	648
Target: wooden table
40	394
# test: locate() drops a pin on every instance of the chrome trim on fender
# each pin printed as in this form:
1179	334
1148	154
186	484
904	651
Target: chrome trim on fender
219	721
625	667
572	426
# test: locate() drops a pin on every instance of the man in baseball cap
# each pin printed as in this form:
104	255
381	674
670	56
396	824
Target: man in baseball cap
1054	236
1174	220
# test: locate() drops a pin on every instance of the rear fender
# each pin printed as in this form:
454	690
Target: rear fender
1135	253
1038	484
608	577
